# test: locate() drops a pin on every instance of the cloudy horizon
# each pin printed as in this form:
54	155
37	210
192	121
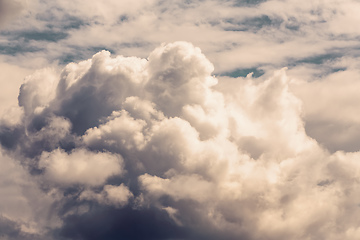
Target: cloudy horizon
199	119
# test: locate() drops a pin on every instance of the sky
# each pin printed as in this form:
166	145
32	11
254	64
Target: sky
179	120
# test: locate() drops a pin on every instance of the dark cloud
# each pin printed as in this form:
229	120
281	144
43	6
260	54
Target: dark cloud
9	229
12	230
126	223
10	137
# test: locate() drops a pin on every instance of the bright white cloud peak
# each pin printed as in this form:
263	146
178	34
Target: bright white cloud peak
163	143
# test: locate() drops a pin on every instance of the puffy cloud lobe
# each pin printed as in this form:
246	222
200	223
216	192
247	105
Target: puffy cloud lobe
179	75
38	90
117	196
94	89
164	135
79	167
121	131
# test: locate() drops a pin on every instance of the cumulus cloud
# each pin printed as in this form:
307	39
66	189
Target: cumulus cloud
165	143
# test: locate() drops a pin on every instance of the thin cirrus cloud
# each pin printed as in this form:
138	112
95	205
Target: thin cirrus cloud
158	147
124	141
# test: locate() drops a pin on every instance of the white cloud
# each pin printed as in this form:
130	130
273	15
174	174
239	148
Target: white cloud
80	167
38	90
122	130
117	196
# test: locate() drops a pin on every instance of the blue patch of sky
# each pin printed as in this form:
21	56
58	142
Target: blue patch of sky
15	49
96	49
123	18
323	62
86	53
241	3
81	54
253	24
317	59
338	69
135	44
243	72
47	36
65	22
70	22
292	24
69	57
23	37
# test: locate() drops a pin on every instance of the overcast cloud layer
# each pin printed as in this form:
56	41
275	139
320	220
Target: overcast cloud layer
112	128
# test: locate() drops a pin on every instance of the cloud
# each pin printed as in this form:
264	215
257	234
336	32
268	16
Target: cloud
26	210
158	141
79	167
111	195
9	9
333	126
10	89
234	34
161	142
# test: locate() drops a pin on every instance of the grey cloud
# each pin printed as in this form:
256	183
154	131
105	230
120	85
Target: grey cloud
124	223
25	208
9	229
9	10
335	136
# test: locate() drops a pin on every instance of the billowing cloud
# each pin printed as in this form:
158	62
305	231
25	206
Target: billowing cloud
161	142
